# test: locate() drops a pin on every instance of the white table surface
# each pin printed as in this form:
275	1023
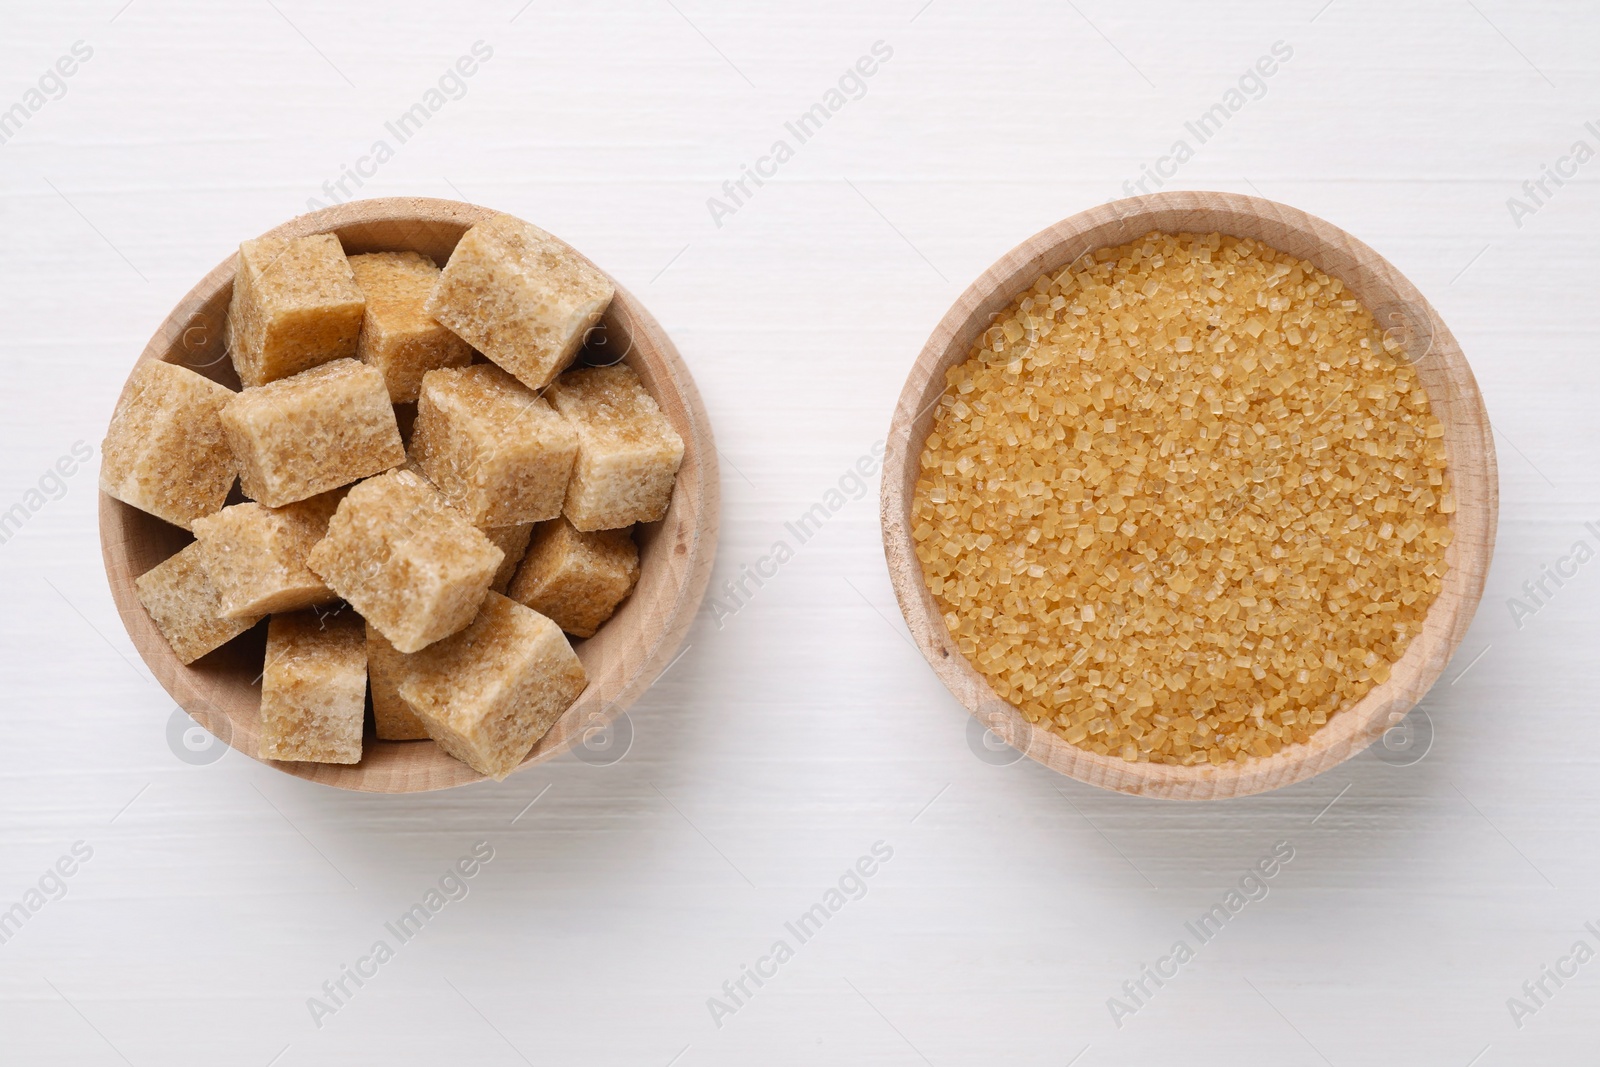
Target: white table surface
221	894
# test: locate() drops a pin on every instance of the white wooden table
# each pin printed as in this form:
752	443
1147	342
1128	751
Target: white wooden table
210	899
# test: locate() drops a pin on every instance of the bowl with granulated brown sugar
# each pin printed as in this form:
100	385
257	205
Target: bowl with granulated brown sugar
1190	495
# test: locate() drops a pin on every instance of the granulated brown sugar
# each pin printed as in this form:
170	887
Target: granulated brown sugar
1184	501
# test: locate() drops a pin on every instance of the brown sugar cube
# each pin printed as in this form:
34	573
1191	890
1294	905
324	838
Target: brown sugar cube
314	688
165	451
256	556
513	541
185	606
576	578
394	717
320	429
495	449
628	453
489	692
406	560
521	297
295	305
398	336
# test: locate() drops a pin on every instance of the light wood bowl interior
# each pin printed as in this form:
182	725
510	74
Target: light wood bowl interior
1452	392
222	691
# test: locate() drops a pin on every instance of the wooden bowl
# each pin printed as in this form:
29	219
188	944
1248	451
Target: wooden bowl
222	691
1396	303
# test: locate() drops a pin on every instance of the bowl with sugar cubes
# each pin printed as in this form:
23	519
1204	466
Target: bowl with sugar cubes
408	494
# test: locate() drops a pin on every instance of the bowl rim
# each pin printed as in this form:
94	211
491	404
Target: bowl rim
1453	395
687	554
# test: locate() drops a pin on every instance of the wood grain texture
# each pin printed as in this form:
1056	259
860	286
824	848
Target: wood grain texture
1395	303
222	691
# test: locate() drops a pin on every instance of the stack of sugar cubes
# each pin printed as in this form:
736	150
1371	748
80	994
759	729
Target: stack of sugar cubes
449	577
